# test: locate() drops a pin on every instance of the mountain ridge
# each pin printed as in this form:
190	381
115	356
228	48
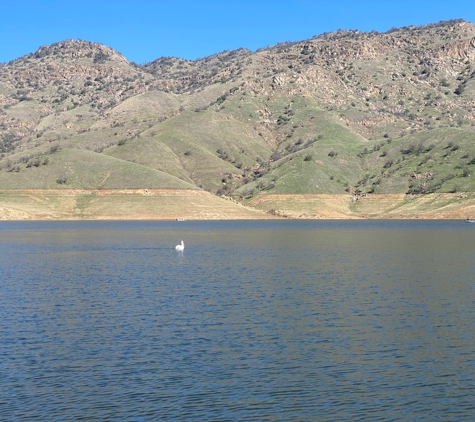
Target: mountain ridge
347	112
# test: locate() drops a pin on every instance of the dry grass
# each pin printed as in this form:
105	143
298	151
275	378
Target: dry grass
432	206
121	204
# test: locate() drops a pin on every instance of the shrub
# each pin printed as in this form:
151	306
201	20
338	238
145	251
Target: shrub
459	90
409	149
100	57
222	154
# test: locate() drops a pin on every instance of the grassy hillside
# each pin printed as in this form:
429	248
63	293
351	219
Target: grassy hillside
440	160
86	170
344	113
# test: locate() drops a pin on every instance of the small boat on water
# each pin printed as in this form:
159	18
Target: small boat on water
180	219
469	220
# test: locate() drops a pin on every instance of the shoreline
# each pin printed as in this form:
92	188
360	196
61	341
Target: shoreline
198	205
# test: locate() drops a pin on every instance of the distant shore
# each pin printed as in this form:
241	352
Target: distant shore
194	204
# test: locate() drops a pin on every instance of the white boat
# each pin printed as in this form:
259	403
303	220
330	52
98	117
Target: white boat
469	220
180	219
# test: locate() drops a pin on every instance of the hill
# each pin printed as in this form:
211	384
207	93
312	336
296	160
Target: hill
350	114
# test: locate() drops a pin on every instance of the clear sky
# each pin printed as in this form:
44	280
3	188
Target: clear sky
144	30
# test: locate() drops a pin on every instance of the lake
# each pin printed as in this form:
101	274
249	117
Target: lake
254	320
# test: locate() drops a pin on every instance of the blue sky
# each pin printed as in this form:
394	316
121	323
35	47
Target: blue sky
144	30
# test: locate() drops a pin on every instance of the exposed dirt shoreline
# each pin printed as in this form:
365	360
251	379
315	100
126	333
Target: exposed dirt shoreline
378	206
194	204
120	204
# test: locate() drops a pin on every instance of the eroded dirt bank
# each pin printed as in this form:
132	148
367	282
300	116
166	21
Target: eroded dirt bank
120	204
430	206
170	204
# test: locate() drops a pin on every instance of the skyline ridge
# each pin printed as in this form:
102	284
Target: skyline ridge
144	30
323	34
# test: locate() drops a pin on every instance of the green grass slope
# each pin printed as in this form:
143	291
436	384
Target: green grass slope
318	155
86	170
209	145
439	160
151	153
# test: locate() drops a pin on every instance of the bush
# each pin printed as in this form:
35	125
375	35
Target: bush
100	57
459	90
411	148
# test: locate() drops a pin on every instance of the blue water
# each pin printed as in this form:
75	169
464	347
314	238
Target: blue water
268	320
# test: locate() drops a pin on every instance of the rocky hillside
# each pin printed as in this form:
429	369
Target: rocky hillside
345	112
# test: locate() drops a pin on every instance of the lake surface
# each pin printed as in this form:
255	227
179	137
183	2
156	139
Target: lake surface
264	320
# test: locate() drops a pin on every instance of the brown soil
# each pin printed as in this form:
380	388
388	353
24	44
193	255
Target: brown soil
121	204
189	204
432	206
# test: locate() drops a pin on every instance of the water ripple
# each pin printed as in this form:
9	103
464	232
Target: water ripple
254	321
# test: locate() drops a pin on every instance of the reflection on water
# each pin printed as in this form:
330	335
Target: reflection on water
281	320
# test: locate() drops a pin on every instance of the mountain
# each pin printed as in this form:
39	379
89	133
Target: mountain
351	115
